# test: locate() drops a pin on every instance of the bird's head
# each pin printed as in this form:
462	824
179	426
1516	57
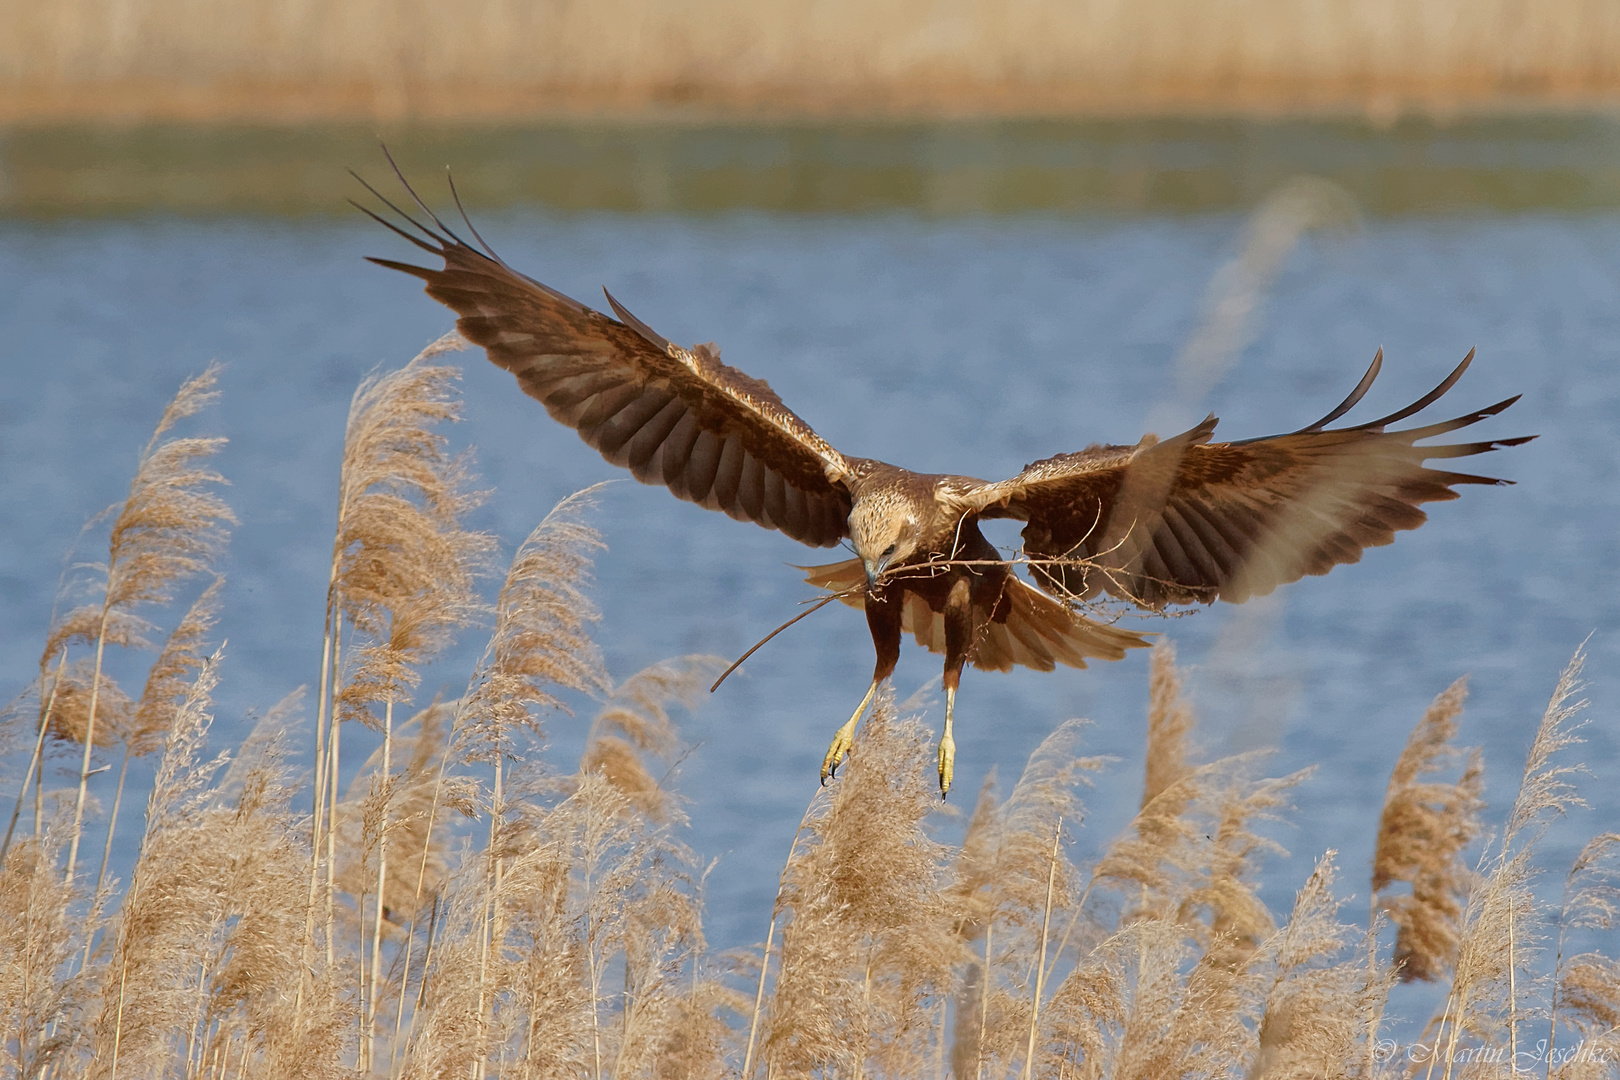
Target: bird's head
884	535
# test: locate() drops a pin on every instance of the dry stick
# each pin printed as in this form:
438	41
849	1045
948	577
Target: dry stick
1040	971
39	750
818	605
931	567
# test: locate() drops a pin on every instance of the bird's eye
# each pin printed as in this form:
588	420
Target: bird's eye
889	550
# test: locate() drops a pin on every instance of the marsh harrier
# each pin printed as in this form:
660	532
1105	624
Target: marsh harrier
1181	520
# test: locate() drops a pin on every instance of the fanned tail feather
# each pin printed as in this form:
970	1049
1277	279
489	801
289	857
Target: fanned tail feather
1040	632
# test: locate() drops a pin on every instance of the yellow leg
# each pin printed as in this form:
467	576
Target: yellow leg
947	745
845	737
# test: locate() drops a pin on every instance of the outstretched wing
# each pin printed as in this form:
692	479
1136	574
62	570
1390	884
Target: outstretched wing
672	416
1187	520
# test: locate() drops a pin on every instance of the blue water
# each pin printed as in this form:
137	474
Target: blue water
944	345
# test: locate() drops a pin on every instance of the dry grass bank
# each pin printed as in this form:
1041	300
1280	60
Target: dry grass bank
463	909
290	60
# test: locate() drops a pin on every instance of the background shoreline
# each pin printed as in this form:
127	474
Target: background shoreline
1152	165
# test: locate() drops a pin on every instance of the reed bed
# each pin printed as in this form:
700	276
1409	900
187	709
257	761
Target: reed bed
463	907
290	60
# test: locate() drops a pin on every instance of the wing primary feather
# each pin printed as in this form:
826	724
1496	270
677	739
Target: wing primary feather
379	219
417	199
1468	449
1432	396
386	201
415	271
634	323
728	473
462	210
1356	395
677	451
1458	422
1468	478
563	298
701	463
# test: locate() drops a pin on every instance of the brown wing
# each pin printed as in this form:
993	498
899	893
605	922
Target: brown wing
1187	520
672	416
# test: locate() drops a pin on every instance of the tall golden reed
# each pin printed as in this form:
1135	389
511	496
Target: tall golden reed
491	915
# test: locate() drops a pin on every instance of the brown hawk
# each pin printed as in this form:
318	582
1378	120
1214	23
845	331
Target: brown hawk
1181	520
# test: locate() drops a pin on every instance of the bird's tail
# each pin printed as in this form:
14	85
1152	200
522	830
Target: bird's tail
1037	632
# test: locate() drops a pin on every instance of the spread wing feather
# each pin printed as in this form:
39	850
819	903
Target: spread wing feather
1188	520
672	416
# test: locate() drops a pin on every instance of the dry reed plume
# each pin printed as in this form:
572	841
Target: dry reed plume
462	907
279	60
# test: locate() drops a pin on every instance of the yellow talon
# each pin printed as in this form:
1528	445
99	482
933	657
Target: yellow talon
947	762
837	751
845	738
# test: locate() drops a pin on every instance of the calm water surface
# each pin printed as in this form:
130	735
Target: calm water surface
946	345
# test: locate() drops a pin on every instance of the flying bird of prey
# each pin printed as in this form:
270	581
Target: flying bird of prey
1181	520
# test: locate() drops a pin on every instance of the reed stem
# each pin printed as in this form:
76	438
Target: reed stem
36	760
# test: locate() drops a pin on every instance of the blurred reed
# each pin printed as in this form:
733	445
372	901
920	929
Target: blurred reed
288	60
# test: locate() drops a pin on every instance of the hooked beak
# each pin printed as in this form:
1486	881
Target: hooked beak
874	570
